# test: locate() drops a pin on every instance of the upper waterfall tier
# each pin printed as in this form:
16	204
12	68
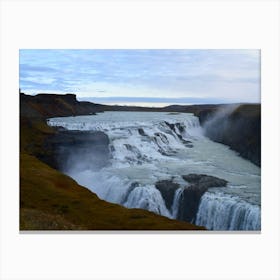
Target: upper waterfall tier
114	120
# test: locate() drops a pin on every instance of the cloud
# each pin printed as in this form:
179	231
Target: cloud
39	80
135	100
30	68
228	74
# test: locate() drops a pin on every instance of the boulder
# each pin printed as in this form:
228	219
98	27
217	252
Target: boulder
204	181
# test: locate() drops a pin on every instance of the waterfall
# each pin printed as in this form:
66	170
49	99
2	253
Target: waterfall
176	202
148	198
146	148
223	212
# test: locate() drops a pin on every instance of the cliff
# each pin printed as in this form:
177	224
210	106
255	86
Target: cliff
239	128
235	125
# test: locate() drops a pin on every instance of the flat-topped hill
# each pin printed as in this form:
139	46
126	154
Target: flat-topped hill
55	105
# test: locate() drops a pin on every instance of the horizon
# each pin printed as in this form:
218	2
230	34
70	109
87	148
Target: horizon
149	77
137	104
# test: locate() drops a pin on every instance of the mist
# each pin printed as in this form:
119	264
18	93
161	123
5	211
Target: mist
216	125
81	151
239	127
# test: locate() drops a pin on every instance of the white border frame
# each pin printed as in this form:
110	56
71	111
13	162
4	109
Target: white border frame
146	24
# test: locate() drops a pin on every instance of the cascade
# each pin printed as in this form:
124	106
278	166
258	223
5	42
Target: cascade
223	212
148	147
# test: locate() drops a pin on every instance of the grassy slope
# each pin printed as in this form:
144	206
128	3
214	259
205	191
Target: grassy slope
50	200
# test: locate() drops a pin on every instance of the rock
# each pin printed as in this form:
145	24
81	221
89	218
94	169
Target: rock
190	198
162	137
84	149
240	129
142	132
170	125
199	184
130	189
167	189
180	127
189	203
204	181
205	114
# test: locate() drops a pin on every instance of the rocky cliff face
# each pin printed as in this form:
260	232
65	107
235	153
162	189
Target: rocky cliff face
239	128
189	200
66	149
198	185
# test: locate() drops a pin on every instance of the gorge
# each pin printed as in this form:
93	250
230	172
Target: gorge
160	160
145	149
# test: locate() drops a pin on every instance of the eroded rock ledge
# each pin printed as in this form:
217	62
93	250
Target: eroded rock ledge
196	186
68	148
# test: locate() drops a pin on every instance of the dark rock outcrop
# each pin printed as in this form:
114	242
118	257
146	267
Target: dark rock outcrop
82	149
206	114
181	129
167	189
204	181
240	129
142	132
191	195
130	189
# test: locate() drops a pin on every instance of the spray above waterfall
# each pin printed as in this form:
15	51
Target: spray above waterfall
218	121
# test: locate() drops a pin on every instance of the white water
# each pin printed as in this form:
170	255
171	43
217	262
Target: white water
237	214
140	158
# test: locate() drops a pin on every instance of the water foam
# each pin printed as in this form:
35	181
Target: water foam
220	211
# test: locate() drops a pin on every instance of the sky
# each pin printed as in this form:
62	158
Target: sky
143	77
